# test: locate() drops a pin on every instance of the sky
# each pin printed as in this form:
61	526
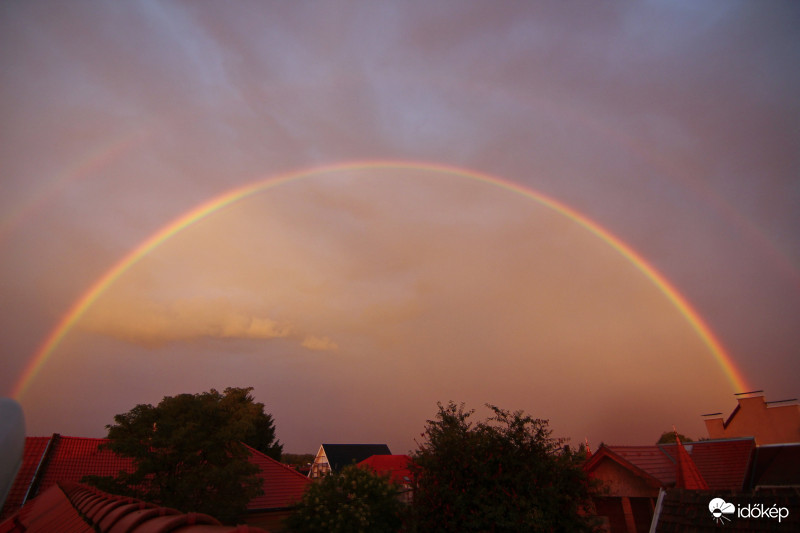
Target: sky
588	211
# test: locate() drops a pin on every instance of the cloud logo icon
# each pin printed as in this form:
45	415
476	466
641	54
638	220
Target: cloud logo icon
719	508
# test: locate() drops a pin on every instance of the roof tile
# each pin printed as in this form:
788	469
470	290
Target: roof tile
688	476
76	457
31	456
723	464
69	459
394	465
74	508
283	486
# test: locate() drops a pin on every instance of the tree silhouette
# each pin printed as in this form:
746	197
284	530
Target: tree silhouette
503	474
188	452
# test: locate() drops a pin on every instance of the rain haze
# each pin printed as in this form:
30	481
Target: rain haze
587	211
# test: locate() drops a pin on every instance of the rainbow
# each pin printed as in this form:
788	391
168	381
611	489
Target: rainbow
77	310
90	164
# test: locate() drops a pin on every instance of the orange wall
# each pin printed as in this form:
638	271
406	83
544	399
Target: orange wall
754	418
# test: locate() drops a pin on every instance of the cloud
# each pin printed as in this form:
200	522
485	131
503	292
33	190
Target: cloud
243	326
153	324
651	119
323	344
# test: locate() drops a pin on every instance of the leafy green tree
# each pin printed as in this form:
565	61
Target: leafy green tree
354	500
504	474
188	454
668	437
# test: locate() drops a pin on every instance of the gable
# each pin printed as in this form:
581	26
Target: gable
769	422
647	462
620	479
341	455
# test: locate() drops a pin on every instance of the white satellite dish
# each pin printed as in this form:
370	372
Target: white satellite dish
12	444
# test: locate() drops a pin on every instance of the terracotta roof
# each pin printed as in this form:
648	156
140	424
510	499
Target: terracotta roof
57	459
341	455
394	465
645	461
72	458
723	464
74	508
283	486
31	456
687	474
47	460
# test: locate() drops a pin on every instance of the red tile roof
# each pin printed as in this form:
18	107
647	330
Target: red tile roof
51	511
394	465
69	459
31	456
723	464
72	458
74	508
283	486
688	476
646	461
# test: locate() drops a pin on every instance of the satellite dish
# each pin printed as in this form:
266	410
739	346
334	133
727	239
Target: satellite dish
12	444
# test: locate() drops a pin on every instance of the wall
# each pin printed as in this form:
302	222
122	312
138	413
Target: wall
753	417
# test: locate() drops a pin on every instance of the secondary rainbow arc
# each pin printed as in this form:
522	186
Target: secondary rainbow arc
77	310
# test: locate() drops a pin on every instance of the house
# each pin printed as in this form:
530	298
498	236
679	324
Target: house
768	422
61	460
282	486
772	483
396	468
74	508
49	460
334	457
633	476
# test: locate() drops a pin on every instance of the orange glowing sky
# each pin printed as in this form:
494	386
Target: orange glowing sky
571	223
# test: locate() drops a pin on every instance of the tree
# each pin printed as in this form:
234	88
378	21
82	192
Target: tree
298	461
504	474
668	437
188	454
354	500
